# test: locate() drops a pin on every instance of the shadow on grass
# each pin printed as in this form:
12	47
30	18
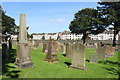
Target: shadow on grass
87	60
67	63
13	74
64	55
113	71
7	58
108	62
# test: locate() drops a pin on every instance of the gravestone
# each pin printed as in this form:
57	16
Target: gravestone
93	58
62	48
36	44
68	50
23	59
95	45
57	45
78	56
30	43
40	44
110	51
101	51
33	42
51	56
45	48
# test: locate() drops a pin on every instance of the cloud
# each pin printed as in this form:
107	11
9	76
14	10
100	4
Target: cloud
59	20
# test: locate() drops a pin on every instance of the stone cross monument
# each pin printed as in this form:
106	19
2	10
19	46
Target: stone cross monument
23	59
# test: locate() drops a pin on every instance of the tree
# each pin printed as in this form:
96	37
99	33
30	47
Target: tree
8	25
58	37
43	37
111	12
31	36
86	22
50	37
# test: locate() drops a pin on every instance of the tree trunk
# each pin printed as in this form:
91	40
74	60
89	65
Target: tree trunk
84	37
84	40
10	43
114	39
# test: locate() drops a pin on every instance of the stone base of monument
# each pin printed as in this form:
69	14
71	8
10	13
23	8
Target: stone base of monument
77	67
110	51
23	59
51	58
23	64
109	55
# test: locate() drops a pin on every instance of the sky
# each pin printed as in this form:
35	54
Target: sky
47	17
52	0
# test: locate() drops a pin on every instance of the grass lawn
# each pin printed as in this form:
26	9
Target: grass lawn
104	69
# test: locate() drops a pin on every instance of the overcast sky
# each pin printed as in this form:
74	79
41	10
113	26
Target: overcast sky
46	16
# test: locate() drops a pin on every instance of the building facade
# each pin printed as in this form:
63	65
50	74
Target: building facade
66	35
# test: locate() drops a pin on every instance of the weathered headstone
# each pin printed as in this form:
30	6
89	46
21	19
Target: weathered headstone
30	43
40	44
62	48
23	59
93	58
95	45
68	50
78	56
101	51
110	51
33	42
58	46
45	48
51	55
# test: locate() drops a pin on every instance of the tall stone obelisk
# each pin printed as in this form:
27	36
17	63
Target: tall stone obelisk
23	59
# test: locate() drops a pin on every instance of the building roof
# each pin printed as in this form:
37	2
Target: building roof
51	33
68	32
108	32
38	33
65	32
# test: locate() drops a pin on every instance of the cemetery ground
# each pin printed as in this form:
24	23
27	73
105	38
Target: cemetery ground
104	69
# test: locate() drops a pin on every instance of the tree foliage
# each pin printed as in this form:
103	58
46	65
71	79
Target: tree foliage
58	37
111	12
87	21
8	25
43	37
